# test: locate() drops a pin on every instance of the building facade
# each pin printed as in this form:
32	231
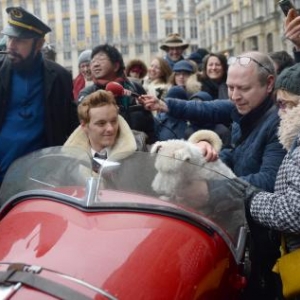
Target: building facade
138	27
130	25
234	26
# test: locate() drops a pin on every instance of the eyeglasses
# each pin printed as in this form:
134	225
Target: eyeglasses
245	61
285	104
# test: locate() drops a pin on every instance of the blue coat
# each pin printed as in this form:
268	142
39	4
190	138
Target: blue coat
168	127
258	156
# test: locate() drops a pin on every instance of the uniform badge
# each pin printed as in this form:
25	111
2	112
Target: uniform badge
16	13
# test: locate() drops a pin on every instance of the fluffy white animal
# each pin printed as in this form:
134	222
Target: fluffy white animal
179	163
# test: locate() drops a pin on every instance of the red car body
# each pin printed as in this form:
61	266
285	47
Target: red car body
115	243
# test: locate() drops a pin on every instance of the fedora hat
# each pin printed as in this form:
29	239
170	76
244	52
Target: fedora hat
173	40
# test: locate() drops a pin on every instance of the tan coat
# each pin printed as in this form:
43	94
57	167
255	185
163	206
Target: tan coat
125	144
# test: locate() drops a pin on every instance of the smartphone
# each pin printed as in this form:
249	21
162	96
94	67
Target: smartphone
286	5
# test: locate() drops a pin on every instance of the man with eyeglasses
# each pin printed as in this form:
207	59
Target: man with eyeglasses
255	153
107	65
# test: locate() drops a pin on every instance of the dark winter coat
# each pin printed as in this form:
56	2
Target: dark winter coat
60	110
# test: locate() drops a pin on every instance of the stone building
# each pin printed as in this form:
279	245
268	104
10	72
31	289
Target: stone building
138	27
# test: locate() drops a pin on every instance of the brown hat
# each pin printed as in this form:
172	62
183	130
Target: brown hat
23	24
173	40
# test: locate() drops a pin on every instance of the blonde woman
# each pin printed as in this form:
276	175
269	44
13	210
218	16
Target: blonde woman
156	83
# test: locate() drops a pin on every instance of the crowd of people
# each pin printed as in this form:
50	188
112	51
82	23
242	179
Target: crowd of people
251	101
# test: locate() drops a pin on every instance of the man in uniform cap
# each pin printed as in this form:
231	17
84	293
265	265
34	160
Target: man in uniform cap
174	47
36	101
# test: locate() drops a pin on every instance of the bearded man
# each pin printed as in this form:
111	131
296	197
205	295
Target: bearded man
36	101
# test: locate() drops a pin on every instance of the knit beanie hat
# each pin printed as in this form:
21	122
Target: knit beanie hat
198	55
289	80
85	56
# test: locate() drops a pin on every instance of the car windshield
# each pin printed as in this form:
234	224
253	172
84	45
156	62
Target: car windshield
132	183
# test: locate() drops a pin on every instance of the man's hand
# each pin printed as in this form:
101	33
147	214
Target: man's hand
209	153
292	28
152	103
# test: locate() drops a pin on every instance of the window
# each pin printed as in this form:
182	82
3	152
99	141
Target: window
253	43
194	29
79	7
108	5
80	29
52	34
229	29
109	28
139	49
50	7
37	8
181	28
153	47
270	42
123	25
1	20
9	3
66	32
95	30
194	48
109	21
192	8
216	31
67	55
122	6
151	4
169	27
180	8
65	6
93	4
137	4
124	49
23	3
138	26
222	21
152	21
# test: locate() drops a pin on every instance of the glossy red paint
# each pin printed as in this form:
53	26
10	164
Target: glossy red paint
132	255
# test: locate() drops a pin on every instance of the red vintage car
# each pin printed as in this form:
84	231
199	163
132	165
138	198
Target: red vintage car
66	233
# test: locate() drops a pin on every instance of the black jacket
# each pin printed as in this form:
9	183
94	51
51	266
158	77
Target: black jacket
60	110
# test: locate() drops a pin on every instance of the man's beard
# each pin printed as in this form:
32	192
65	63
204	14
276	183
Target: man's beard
24	64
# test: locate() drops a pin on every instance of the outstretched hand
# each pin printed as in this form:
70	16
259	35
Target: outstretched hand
152	103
